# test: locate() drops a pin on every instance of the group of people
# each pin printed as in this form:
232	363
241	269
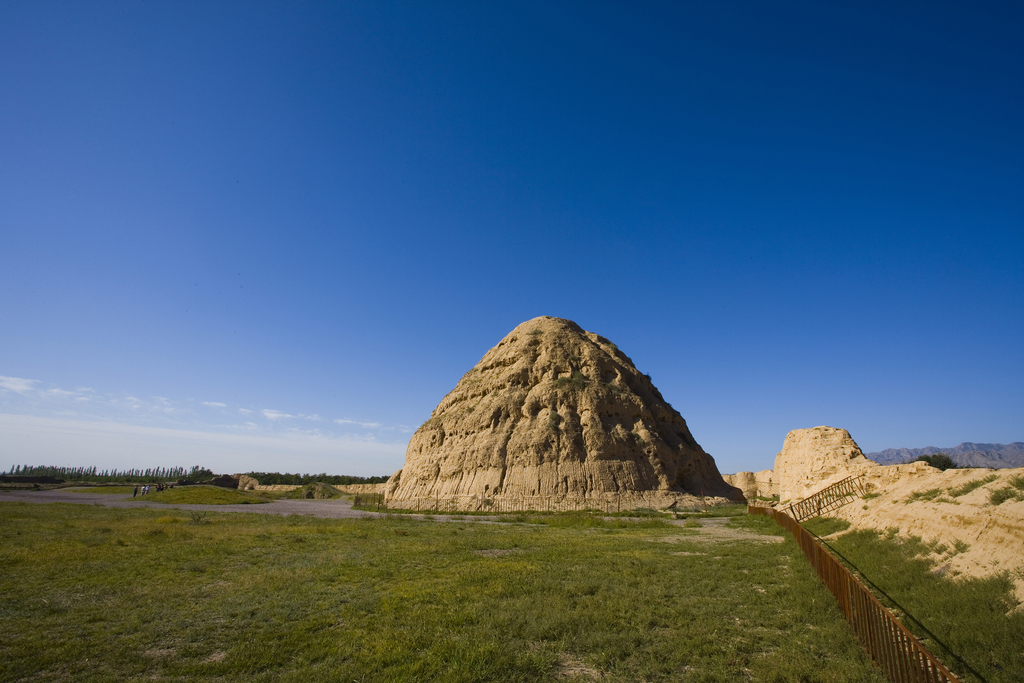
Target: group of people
145	489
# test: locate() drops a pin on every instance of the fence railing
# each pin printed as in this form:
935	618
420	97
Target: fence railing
895	649
827	499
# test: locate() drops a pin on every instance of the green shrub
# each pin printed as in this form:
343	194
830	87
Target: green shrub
964	489
939	461
1001	495
577	381
930	494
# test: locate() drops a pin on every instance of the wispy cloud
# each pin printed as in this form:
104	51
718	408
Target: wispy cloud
367	425
279	415
19	395
108	444
18	385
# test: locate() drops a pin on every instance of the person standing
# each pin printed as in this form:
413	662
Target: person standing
136	491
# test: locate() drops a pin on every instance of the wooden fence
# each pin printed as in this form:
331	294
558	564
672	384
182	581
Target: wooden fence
895	649
828	499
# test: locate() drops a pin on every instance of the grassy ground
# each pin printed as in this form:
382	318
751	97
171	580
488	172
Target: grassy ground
971	618
318	491
102	594
198	495
203	495
720	511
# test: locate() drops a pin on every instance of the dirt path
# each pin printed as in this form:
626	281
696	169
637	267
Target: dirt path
331	509
336	509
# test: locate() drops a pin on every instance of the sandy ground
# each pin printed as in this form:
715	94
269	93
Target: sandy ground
990	537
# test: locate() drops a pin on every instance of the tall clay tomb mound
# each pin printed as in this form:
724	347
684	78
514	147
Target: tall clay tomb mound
812	459
554	414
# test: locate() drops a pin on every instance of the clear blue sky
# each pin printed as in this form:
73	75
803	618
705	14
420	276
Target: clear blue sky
274	235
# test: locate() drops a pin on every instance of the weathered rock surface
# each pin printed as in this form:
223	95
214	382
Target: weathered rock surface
744	481
556	411
811	459
360	488
754	484
247	483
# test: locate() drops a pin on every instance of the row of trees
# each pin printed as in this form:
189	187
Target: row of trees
271	478
94	475
196	473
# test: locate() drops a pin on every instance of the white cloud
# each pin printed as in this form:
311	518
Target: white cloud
18	385
109	444
279	415
367	425
160	411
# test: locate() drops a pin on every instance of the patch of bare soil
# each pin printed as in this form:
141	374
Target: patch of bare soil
497	552
572	667
718	534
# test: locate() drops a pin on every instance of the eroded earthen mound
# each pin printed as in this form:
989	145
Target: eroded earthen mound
811	459
556	411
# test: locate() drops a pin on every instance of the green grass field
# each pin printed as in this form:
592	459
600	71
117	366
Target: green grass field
203	495
973	618
197	495
103	594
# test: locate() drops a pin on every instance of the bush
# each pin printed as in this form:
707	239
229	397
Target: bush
1015	491
577	381
964	489
939	461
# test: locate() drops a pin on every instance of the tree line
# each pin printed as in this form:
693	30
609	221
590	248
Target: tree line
95	475
195	473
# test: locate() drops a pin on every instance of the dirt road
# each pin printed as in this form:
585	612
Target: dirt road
337	509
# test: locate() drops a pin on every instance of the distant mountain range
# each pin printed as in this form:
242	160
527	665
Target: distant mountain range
967	454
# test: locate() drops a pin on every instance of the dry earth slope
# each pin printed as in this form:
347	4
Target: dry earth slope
556	411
